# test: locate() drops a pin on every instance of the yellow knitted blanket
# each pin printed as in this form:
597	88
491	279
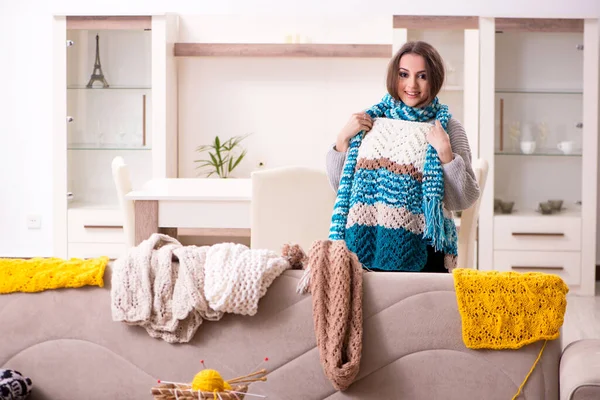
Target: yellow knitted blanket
37	274
508	310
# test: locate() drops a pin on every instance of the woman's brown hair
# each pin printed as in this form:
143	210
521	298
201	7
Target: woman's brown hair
434	68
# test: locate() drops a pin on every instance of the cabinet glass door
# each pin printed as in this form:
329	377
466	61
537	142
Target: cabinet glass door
109	105
538	126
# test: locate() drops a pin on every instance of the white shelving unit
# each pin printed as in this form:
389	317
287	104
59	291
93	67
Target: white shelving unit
539	83
134	117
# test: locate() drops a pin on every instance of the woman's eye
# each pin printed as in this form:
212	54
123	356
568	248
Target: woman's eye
403	75
423	76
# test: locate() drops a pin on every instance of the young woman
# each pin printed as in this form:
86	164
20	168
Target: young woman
414	78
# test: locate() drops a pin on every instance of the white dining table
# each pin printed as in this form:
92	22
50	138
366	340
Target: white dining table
211	207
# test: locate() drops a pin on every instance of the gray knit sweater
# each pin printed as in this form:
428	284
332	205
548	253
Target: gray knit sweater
461	188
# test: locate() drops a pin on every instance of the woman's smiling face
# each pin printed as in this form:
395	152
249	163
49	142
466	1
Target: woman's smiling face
413	87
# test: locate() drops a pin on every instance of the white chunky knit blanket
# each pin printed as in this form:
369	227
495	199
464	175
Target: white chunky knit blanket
170	302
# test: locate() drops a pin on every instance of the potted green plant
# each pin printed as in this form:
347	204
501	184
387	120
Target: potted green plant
223	157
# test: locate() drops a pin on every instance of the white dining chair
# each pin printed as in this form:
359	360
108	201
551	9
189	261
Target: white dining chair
467	233
290	205
122	179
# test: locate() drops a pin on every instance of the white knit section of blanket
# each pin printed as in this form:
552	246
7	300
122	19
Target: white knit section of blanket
403	142
237	277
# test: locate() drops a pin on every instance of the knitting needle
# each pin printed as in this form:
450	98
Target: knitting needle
250	380
253	369
241	379
172	383
202	362
260	363
246	394
262	371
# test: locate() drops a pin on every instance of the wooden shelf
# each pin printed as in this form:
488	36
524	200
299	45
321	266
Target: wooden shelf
434	22
539	25
110	22
282	50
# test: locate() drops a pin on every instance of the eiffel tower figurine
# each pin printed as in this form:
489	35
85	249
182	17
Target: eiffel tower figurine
97	74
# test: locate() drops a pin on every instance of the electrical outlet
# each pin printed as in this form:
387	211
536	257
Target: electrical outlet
34	221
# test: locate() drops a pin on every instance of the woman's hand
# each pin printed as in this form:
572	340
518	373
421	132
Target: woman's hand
357	122
439	139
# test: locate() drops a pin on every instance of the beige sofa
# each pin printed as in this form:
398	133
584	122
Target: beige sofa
66	341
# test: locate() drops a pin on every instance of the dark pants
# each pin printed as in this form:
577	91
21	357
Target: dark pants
435	261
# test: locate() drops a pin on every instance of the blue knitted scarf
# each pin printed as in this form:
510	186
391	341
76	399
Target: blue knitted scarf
389	213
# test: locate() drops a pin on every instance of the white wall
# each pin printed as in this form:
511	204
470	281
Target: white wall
26	91
25	130
293	107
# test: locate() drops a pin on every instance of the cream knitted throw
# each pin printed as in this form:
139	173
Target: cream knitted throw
170	301
335	282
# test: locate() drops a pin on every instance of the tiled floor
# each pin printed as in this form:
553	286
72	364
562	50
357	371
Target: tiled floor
582	319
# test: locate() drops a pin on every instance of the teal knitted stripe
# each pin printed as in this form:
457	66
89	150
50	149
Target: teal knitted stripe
374	191
387	249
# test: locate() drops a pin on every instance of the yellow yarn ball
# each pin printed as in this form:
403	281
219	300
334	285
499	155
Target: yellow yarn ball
209	380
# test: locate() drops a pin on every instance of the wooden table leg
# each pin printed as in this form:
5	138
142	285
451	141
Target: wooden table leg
169	232
146	219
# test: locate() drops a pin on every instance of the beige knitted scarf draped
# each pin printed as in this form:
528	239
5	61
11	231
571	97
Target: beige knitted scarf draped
333	275
169	289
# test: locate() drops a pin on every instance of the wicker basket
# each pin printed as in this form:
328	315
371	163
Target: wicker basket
170	391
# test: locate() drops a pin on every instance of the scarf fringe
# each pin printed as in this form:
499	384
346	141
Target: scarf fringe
435	230
304	284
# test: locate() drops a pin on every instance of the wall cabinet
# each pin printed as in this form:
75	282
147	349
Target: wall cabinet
539	130
115	94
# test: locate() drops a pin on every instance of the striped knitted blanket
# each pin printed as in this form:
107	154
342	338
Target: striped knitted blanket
389	205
